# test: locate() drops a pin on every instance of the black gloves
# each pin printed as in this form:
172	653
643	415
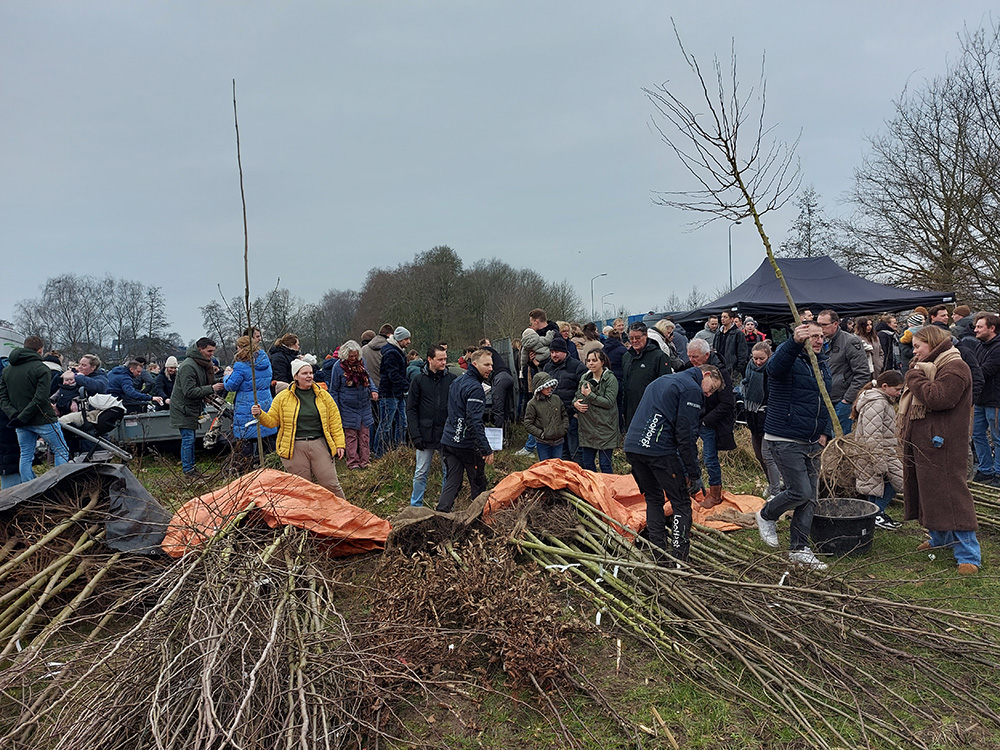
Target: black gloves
695	485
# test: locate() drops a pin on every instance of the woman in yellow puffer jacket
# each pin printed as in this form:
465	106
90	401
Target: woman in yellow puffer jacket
310	433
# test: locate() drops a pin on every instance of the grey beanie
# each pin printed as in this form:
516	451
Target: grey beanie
401	333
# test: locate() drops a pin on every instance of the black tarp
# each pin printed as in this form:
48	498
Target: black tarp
136	520
816	283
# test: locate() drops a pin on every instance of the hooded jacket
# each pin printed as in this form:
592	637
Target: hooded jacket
795	409
427	406
122	384
191	385
544	416
371	353
599	424
25	385
666	420
464	429
537	342
875	427
241	382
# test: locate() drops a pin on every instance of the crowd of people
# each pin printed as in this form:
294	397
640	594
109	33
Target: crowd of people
909	394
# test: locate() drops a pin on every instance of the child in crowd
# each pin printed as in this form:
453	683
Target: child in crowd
755	403
545	417
880	473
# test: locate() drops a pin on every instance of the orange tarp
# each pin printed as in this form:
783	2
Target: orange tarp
616	495
282	499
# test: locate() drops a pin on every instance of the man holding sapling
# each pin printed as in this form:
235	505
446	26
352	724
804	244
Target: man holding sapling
796	427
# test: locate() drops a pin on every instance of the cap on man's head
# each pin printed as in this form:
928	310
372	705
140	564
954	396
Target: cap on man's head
401	333
558	345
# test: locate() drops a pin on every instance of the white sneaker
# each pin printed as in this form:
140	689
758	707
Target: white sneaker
523	452
768	530
806	558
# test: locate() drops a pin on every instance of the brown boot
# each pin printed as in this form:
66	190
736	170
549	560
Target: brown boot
713	498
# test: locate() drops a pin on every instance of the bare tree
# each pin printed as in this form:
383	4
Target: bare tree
740	171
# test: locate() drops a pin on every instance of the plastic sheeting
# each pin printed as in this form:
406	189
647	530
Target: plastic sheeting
615	495
281	499
136	520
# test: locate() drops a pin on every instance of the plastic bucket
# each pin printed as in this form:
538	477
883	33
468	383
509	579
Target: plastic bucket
843	525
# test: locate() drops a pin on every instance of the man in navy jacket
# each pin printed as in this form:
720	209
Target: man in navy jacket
662	446
797	427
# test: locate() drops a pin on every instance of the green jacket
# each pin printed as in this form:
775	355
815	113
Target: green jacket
545	417
25	387
191	385
599	424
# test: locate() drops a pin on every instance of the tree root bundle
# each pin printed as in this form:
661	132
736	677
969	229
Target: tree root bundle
54	565
807	652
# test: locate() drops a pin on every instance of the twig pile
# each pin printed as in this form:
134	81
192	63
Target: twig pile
818	657
54	565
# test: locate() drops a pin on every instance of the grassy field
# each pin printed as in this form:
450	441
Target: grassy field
642	685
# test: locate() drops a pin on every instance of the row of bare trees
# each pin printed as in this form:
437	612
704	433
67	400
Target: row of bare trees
435	296
111	317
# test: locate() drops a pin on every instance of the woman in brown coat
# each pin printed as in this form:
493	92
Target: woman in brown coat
934	417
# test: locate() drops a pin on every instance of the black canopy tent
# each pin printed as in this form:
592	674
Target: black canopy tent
816	283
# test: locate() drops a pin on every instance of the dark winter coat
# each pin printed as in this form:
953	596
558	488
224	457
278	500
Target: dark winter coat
281	363
615	350
639	369
354	401
241	382
599	424
720	409
499	365
848	365
731	346
413	368
464	429
568	373
192	385
795	408
967	348
890	346
988	356
393	383
934	478
10	450
165	384
122	384
666	420
25	385
544	416
427	407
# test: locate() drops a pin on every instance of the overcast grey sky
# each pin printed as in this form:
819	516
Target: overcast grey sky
372	131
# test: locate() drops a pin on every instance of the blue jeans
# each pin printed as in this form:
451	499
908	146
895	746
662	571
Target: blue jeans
710	455
589	456
424	458
888	493
798	464
963	543
549	451
391	424
9	480
986	430
27	438
187	450
844	415
531	443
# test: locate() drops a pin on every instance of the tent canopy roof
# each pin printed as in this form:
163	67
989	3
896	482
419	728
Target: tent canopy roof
816	283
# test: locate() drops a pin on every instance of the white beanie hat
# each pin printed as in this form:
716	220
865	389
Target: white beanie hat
171	361
298	364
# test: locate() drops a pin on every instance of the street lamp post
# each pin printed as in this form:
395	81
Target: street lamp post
731	253
593	312
603	303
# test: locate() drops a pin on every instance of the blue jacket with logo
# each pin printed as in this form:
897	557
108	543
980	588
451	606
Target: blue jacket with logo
466	405
667	418
795	409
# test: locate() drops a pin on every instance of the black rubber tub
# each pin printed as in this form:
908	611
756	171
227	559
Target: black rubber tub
843	525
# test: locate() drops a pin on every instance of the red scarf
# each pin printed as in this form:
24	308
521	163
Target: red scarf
354	372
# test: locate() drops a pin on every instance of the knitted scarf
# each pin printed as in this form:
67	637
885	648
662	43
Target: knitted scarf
911	406
354	372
